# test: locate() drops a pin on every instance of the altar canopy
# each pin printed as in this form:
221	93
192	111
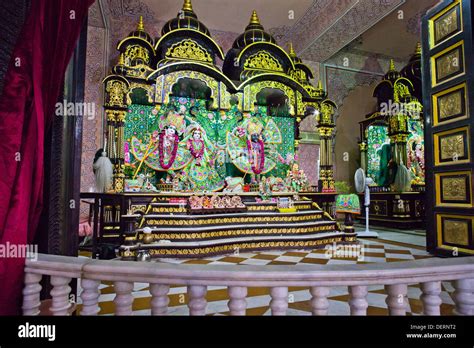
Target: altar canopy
174	116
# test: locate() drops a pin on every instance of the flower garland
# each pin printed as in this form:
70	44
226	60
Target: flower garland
261	163
173	153
196	154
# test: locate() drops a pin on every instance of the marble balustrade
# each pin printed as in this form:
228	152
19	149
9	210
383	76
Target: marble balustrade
395	277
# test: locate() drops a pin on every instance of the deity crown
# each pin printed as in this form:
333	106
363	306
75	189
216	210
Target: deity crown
176	121
254	127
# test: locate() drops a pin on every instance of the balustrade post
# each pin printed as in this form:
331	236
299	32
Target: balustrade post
319	301
90	297
464	296
60	295
197	299
279	302
237	303
160	299
358	300
396	299
124	298
430	298
31	294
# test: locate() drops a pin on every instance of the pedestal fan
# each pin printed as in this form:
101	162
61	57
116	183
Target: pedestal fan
362	186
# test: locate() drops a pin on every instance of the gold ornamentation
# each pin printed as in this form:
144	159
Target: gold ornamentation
116	91
446	24
147	88
243	232
450	104
134	52
189	49
187	6
454	188
262	61
232	220
251	91
229	248
172	78
363	146
452	147
448	64
254	18
456	231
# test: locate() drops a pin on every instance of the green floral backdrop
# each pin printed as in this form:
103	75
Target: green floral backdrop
142	120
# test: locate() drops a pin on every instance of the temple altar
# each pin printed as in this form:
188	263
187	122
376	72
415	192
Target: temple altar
392	148
180	127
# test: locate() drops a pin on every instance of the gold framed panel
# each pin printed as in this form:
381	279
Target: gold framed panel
454	189
455	232
452	146
446	24
447	64
450	105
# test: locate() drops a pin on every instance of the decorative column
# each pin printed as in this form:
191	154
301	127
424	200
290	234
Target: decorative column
363	155
398	131
325	129
116	88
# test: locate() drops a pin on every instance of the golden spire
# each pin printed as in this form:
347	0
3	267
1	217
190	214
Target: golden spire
418	48
140	26
292	51
187	6
392	66
121	59
320	85
254	18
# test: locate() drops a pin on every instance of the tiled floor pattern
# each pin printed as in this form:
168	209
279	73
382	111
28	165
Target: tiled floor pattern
397	247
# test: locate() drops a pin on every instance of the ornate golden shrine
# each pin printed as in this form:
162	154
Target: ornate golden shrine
392	136
186	50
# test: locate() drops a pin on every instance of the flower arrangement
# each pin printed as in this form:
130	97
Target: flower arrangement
261	163
173	151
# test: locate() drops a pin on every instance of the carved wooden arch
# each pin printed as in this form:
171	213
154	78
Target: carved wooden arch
251	91
166	84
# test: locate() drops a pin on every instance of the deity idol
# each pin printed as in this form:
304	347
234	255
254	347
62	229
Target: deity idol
416	159
250	145
200	169
164	152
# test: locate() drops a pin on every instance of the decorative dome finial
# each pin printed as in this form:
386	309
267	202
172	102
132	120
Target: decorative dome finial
121	59
187	6
140	26
320	85
254	18
418	48
392	66
292	52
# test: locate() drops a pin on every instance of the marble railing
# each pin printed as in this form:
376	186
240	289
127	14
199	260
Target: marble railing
395	277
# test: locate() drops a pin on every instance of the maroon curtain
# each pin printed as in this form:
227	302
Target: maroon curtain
32	86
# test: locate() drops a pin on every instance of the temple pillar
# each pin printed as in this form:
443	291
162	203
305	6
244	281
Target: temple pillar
325	129
363	155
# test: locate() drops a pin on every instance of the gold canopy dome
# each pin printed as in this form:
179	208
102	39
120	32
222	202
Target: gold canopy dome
140	32
254	32
186	19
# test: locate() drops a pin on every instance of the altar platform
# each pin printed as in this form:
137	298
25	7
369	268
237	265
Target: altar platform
175	231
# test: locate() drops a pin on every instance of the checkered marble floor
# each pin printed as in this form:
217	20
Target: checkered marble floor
397	247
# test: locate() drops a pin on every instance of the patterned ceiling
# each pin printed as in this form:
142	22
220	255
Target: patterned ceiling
318	29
